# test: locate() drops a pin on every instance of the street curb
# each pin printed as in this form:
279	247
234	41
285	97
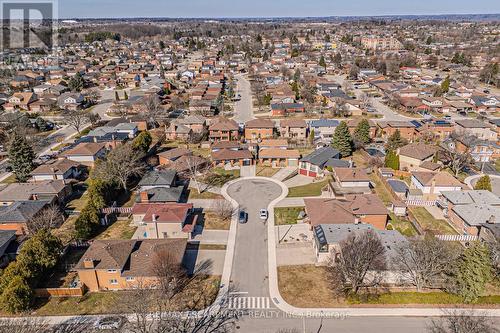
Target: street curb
468	180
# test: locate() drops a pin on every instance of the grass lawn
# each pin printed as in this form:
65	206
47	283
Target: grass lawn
9	180
380	189
221	171
286	215
359	160
309	190
115	301
403	226
307	286
121	229
196	149
265	171
430	224
212	221
193	194
66	231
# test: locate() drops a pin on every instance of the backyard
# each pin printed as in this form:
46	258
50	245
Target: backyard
212	221
430	224
121	229
402	225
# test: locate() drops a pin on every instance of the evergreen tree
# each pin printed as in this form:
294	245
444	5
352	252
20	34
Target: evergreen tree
473	272
484	183
311	137
76	83
342	140
87	224
392	160
17	295
445	85
143	141
21	156
322	62
362	132
125	95
395	141
117	97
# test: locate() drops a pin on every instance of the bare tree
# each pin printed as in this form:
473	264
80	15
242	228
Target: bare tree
93	95
196	167
153	109
94	118
359	254
171	275
76	118
121	164
424	262
456	160
223	208
48	218
24	324
462	321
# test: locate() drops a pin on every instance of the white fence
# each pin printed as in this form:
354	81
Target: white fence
457	238
417	202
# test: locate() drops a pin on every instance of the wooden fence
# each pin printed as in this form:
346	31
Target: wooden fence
59	292
458	238
418	202
116	210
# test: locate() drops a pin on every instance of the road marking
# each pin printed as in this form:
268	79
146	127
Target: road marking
241	303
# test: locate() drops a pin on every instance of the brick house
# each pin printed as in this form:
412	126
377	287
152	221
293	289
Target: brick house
416	156
258	129
223	130
293	129
123	264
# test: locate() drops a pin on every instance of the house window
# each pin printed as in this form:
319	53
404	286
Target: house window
111	270
113	281
130	278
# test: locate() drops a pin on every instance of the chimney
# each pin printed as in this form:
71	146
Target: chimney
95	139
154	217
88	263
144	196
356	220
491	220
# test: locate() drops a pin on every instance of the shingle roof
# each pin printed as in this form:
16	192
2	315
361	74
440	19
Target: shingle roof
21	211
320	156
58	167
441	178
158	178
259	123
85	149
175	153
324	123
476	214
472	196
419	151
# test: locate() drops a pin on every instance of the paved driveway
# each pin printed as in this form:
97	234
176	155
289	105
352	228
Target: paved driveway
250	267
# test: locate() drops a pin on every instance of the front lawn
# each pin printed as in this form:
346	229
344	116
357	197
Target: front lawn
193	194
430	224
380	189
212	221
308	286
309	190
112	302
286	215
265	171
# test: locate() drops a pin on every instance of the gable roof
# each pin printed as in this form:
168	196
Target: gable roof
158	178
58	167
21	211
351	174
175	153
419	151
442	179
320	156
85	149
471	196
259	123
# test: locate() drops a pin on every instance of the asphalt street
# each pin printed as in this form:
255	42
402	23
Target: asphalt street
243	110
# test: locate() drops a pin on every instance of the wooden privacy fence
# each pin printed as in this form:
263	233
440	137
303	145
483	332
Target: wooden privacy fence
59	292
417	202
116	210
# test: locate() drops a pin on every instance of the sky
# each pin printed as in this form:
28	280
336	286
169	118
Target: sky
269	8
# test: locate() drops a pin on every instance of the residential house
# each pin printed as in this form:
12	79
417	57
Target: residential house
163	220
86	153
277	158
7	237
430	184
169	156
196	123
60	169
282	109
352	124
470	210
258	129
323	129
351	209
417	157
126	264
328	237
177	131
20	101
223	130
159	186
314	164
293	129
351	177
480	150
475	127
406	128
17	215
233	157
70	101
51	191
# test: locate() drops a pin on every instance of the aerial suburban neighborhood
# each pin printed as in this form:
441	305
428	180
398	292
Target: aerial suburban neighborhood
320	174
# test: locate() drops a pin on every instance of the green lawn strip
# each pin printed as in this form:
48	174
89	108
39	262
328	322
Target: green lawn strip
286	215
430	224
418	298
309	190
